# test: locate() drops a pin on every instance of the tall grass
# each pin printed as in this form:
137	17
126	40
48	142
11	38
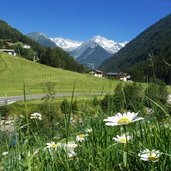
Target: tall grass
98	151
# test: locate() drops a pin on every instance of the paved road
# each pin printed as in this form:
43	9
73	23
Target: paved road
11	99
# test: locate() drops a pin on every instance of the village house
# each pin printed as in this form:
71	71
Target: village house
118	76
8	42
26	46
9	51
96	73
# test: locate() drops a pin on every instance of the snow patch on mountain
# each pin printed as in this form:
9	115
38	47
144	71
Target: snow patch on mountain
77	48
66	44
109	45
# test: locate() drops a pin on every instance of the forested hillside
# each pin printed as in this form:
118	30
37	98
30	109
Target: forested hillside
55	57
146	56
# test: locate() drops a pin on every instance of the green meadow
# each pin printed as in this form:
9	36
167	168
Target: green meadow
81	133
16	71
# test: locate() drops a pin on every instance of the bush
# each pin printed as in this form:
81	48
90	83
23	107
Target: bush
133	96
107	103
119	100
95	101
65	106
4	111
74	106
157	92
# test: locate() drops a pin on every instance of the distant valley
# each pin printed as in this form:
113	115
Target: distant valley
90	53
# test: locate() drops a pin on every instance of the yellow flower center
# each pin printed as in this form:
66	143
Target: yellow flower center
152	158
81	136
123	121
54	145
122	140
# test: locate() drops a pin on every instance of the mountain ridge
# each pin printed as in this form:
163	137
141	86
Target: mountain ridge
94	50
42	39
93	56
109	45
66	44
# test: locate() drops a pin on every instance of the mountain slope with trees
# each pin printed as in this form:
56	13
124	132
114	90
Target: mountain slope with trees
147	56
54	57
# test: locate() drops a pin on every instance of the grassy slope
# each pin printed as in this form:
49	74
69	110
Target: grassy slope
14	69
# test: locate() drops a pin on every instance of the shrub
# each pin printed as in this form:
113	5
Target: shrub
107	103
119	100
95	101
133	96
156	91
74	106
4	110
65	106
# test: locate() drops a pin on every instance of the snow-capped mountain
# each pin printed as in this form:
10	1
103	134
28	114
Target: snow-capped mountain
77	52
69	45
66	44
94	50
109	45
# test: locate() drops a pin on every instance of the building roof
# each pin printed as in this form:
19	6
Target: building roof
112	74
7	50
97	71
115	74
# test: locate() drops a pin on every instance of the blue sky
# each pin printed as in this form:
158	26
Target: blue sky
119	20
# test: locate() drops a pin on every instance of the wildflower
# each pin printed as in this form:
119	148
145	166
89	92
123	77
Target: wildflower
169	99
122	138
122	119
53	145
71	153
149	111
70	145
69	149
81	137
148	155
36	116
21	116
166	123
88	130
5	153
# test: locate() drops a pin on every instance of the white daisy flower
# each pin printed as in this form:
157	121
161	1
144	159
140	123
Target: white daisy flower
148	155
122	119
36	116
70	145
69	148
71	153
53	145
81	137
122	138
